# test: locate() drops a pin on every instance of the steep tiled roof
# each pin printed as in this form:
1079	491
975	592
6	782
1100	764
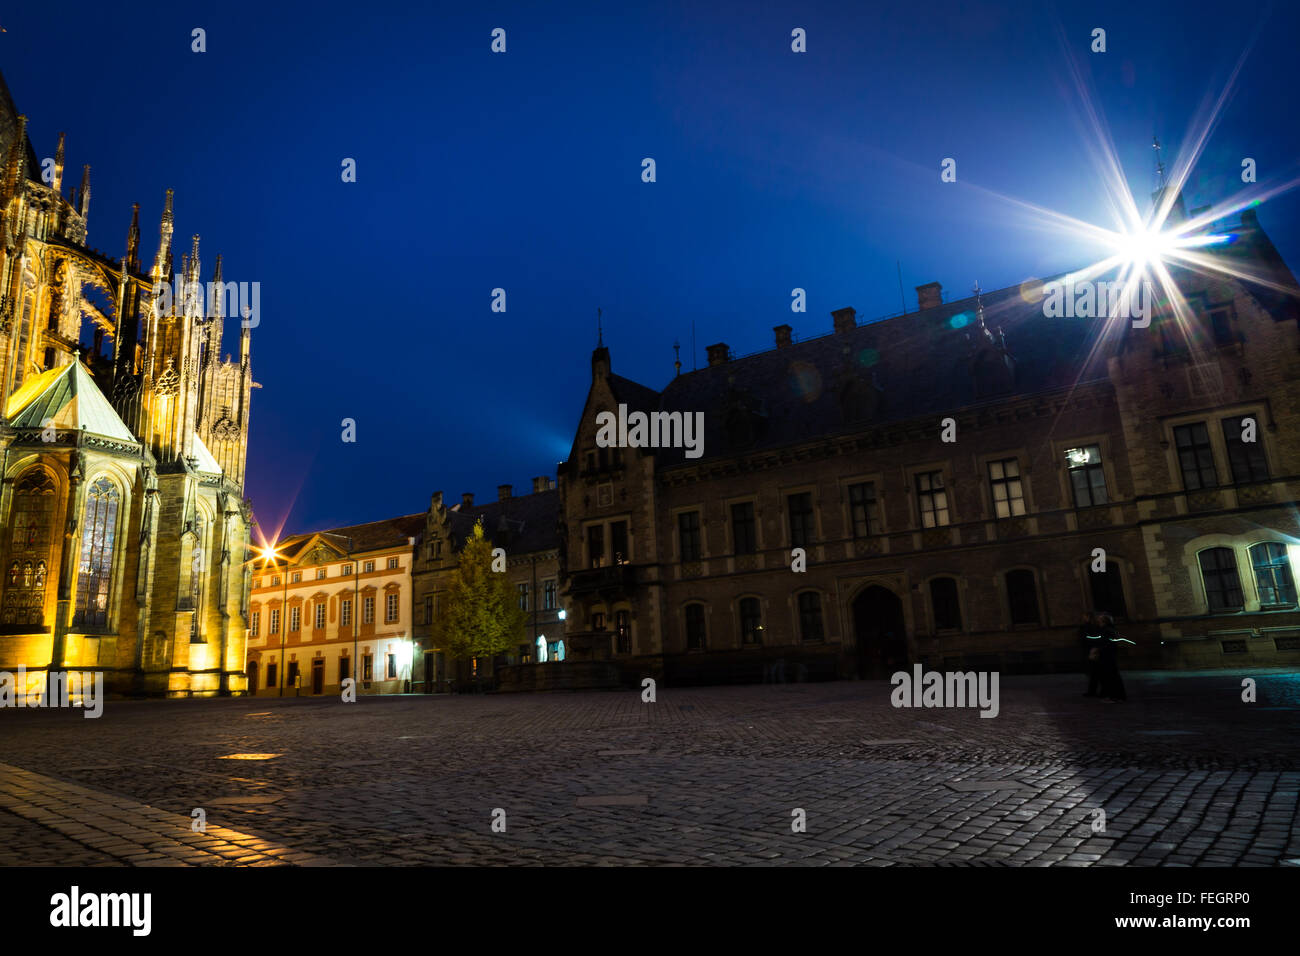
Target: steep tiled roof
520	525
371	536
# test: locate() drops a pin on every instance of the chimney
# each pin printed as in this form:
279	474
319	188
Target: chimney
846	319
541	483
929	295
782	336
718	354
467	499
503	492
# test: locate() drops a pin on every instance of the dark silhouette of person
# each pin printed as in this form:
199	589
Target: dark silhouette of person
1091	640
1112	685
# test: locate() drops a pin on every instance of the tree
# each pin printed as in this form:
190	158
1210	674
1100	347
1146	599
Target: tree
482	617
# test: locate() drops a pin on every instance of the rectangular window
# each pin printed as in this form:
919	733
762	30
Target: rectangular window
347	570
271	674
1087	477
548	595
292	676
297	577
810	616
295	617
523	596
618	542
622	632
688	535
345	613
345	669
321	573
695	627
390	607
367	610
1246	458
596	545
863	509
1195	456
392	666
743	533
1273	574
598	620
932	499
751	621
367	668
1222	586
254	623
1220	323
428	609
275	620
947	608
320	615
1008	494
368	567
275	579
801	519
257	583
392	564
1022	597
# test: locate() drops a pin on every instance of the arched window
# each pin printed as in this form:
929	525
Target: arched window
947	608
198	568
810	616
1022	597
1108	590
695	637
1273	574
99	531
1222	586
751	621
28	559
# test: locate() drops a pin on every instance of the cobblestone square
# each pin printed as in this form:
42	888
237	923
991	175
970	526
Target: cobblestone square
1185	773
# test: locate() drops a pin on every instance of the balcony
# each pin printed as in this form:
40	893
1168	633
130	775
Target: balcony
613	580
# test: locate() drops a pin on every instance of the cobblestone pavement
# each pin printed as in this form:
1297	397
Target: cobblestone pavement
1185	772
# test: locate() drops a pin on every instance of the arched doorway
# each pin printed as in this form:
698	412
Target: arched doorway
880	632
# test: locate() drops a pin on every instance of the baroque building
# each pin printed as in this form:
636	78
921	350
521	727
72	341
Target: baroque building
124	436
323	600
954	486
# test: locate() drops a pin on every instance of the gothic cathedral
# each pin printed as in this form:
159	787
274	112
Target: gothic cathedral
124	531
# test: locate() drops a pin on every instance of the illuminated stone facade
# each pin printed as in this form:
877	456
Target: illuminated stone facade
125	529
1068	436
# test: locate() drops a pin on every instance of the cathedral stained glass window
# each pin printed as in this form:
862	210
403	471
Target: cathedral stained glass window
98	533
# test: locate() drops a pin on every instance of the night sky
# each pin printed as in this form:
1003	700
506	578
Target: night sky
523	171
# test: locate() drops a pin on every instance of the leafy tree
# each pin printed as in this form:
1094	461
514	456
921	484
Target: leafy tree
482	617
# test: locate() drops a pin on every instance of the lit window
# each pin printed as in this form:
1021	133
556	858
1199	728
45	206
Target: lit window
1087	477
548	595
1008	494
932	499
367	667
99	526
622	632
390	607
1273	574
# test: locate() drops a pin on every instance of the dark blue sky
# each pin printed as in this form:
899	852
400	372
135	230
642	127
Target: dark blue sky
522	171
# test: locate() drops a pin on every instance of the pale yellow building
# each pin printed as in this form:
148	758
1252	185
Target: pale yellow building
324	600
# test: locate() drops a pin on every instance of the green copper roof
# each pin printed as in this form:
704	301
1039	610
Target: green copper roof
70	397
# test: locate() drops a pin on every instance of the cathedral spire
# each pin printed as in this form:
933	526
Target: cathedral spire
57	185
17	160
83	194
132	263
162	261
216	301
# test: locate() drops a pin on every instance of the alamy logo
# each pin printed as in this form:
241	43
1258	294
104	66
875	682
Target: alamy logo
74	909
61	689
652	430
952	689
1072	299
235	298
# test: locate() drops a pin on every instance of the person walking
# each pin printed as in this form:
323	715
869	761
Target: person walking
1091	640
1112	685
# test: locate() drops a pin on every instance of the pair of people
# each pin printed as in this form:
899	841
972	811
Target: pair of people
1101	642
